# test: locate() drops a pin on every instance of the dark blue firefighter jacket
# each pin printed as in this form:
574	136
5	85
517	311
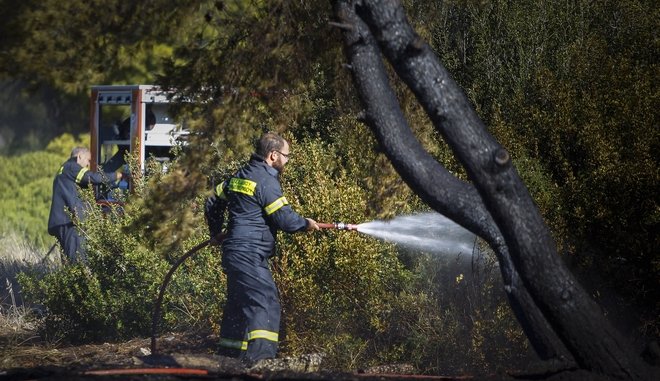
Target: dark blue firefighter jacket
65	191
257	210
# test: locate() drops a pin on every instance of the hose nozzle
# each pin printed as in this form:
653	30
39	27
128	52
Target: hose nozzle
344	226
337	225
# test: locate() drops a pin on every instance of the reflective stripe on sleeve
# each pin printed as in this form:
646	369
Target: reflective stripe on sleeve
220	191
80	175
244	186
233	344
275	205
61	170
263	334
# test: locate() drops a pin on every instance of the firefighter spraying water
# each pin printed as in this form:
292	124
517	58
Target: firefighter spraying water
430	232
244	214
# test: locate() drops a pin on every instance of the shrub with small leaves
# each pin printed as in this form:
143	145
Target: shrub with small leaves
112	295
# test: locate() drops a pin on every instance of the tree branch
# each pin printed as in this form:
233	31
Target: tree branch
594	343
436	186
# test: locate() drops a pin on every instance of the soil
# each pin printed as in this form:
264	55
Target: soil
191	357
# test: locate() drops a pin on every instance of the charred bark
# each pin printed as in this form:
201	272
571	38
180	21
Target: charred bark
497	207
441	190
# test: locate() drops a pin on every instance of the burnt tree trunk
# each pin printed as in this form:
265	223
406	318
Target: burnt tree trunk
543	293
438	188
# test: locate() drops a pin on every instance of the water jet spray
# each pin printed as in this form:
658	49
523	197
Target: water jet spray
429	232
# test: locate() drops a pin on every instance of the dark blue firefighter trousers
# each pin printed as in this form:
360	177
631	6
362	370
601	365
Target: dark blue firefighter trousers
251	318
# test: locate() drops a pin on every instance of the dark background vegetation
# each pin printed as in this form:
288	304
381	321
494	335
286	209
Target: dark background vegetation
569	88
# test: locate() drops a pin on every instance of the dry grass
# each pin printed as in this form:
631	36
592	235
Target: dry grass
17	324
16	256
18	321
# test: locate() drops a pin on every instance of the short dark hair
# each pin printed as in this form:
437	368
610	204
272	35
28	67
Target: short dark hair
268	143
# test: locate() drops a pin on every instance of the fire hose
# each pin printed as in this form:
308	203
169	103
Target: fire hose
216	240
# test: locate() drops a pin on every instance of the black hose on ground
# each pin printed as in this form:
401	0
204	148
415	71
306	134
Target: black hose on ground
43	260
156	312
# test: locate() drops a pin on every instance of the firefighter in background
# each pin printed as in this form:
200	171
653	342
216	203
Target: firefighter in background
257	209
66	201
123	132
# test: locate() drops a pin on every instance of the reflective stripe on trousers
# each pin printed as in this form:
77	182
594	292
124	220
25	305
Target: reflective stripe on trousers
251	314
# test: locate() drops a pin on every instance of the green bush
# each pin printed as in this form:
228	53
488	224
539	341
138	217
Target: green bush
109	298
569	90
112	296
351	296
26	189
197	293
360	301
334	284
25	195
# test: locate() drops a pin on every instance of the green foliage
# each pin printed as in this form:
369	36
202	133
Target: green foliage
461	321
26	189
245	62
197	294
334	285
53	52
25	194
603	148
568	90
351	297
97	40
63	144
112	296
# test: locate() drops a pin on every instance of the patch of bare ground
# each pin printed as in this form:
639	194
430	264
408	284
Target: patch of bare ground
24	355
191	357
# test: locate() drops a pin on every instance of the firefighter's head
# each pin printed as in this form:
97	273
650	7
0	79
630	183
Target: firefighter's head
274	149
82	156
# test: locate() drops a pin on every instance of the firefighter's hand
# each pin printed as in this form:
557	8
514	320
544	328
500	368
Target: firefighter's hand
122	176
311	225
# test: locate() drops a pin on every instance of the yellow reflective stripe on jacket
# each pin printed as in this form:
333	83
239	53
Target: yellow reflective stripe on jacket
263	334
244	186
81	174
220	191
234	344
61	170
275	205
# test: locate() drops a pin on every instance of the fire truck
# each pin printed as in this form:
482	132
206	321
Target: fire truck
131	120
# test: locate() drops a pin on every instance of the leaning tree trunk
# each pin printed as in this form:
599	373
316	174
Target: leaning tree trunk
569	310
436	186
